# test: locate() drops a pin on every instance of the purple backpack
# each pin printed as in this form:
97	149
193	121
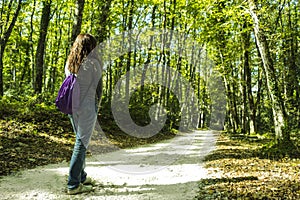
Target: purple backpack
68	98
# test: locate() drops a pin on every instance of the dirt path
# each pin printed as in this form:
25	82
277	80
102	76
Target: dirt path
167	170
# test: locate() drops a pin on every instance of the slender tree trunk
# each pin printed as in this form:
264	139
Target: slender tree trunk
32	74
3	43
278	108
41	46
69	34
297	34
2	48
292	86
162	90
103	29
234	99
248	97
129	54
147	62
168	53
78	15
110	83
102	33
230	107
244	107
29	55
59	40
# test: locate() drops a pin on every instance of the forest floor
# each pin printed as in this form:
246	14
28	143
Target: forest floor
249	169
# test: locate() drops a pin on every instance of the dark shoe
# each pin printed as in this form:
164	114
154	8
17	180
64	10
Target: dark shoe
80	189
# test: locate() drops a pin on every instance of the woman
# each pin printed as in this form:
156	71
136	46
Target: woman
83	62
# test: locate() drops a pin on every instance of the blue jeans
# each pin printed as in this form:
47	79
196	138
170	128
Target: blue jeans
77	174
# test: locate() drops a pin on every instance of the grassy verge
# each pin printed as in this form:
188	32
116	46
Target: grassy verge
250	169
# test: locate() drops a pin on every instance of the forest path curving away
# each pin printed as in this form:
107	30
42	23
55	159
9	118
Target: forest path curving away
170	169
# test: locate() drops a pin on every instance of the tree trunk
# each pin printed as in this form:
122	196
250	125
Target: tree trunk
78	15
163	57
234	98
147	62
248	97
296	10
41	46
231	107
278	108
104	20
244	107
29	54
130	26
292	82
3	42
32	74
168	53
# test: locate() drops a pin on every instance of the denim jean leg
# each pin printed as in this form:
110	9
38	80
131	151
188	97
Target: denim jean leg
83	173
73	123
77	165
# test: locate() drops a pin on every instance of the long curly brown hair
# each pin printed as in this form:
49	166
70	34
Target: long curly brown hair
82	46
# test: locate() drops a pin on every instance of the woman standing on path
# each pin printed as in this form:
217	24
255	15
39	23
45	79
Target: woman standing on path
83	61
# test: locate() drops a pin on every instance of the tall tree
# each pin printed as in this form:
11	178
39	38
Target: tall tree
129	54
104	20
40	51
78	15
278	107
249	108
5	37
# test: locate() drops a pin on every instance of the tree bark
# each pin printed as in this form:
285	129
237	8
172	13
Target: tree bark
38	86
